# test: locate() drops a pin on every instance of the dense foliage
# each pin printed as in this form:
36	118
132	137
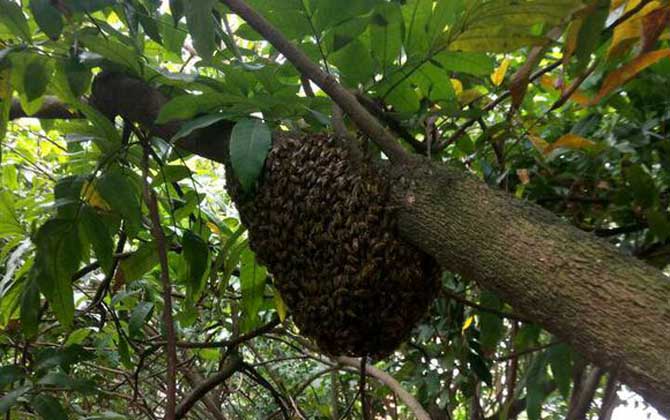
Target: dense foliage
562	103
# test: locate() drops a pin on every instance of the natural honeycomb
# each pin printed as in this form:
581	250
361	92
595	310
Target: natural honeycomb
320	221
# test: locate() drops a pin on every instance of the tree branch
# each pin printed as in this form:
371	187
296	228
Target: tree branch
419	412
327	82
233	364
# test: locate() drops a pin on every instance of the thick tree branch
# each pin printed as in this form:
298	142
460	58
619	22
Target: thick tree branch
345	99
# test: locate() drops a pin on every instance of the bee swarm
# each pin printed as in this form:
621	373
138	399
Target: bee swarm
321	224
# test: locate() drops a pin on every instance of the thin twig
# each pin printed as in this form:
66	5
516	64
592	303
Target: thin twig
161	245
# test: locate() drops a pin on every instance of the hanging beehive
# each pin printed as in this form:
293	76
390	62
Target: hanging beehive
321	222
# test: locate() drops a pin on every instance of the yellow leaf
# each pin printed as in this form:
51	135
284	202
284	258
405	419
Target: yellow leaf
93	198
498	75
214	228
538	142
549	83
571	39
626	72
467	324
469	95
279	305
569	141
457	85
628	32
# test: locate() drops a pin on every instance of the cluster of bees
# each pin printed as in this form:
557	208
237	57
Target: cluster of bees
320	221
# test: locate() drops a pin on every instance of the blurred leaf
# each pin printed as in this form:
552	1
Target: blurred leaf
98	235
535	386
139	317
13	18
48	18
498	75
36	77
490	325
386	31
280	305
467	323
57	258
78	76
148	23
123	197
252	282
186	107
476	64
560	361
653	25
10	374
113	51
569	141
139	263
354	62
200	23
629	31
626	72
30	308
48	407
10	398
250	142
196	255
197	123
5	107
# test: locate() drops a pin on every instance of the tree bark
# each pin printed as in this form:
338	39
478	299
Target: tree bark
611	307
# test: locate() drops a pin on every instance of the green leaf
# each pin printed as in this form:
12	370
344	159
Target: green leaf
98	235
354	62
198	123
148	23
10	374
386	33
142	260
13	18
176	10
196	256
88	6
479	367
535	394
117	190
9	219
171	173
252	283
642	186
173	36
185	107
10	398
57	258
77	336
477	64
560	361
250	142
113	51
48	407
495	39
201	26
491	325
78	76
35	77
48	18
30	308
139	316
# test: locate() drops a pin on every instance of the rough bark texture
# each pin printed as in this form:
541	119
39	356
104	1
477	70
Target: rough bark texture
611	307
